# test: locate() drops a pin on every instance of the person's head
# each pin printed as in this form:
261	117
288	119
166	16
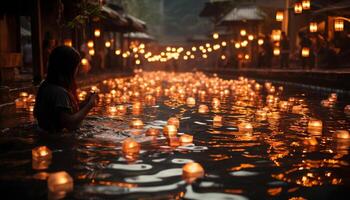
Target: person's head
62	67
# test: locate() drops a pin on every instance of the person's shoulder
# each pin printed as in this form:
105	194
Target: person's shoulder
53	89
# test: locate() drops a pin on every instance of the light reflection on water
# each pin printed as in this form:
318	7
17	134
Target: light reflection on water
277	159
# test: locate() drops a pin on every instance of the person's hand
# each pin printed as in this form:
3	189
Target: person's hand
92	99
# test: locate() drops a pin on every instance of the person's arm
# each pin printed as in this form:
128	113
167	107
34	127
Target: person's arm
72	121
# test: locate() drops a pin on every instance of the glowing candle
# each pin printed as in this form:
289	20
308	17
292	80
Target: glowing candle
174	121
152	132
314	126
191	171
60	182
186	138
245	127
174	141
191	101
203	109
130	146
41	153
170	130
342	134
136	123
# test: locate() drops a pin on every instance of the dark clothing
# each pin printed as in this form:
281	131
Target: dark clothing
284	53
51	100
268	53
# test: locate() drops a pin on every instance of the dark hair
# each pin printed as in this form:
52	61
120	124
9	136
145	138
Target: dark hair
62	65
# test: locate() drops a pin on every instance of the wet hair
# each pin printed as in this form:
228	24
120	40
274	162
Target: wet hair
62	65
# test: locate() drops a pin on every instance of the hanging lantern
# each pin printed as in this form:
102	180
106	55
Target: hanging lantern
97	32
313	27
338	25
107	44
92	52
305	52
276	35
306	4
298	8
90	44
279	16
84	61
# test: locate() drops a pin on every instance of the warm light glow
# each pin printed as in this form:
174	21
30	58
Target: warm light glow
279	16
170	130
174	121
194	49
246	56
276	51
276	35
68	42
91	52
215	103
130	146
191	171
136	123
314	126
342	134
117	52
60	182
237	45
223	44
41	153
223	57
137	62
298	8
338	24
84	61
243	32
90	44
216	36
107	44
306	4
203	109
313	27
191	101
152	132
305	52
186	138
245	127
260	41
250	37
97	32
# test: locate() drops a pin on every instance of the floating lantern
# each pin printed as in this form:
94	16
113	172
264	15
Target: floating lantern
41	153
215	36
191	171
190	101
67	42
90	44
313	27
97	32
276	51
338	24
203	109
245	127
342	134
152	132
174	141
215	103
186	138
223	43
130	146
243	32
305	52
60	182
314	126
217	121
174	121
310	141
261	114
136	123
306	4
170	130
107	44
279	16
91	52
298	8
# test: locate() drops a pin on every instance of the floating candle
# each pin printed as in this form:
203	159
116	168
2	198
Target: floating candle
261	114
41	153
342	134
310	141
152	132
174	141
314	126
136	123
203	109
190	101
174	121
191	171
130	146
60	182
186	138
170	130
245	127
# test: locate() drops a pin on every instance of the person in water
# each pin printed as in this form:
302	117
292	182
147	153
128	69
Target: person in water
56	105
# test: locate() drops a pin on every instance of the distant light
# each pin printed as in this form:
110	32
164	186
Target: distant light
298	8
84	61
207	45
204	56
276	51
237	45
137	62
107	44
194	49
68	42
279	16
246	56
223	57
306	4
92	52
250	37
168	49
216	36
223	44
90	44
243	32
244	43
305	52
260	41
313	27
117	52
338	24
97	32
